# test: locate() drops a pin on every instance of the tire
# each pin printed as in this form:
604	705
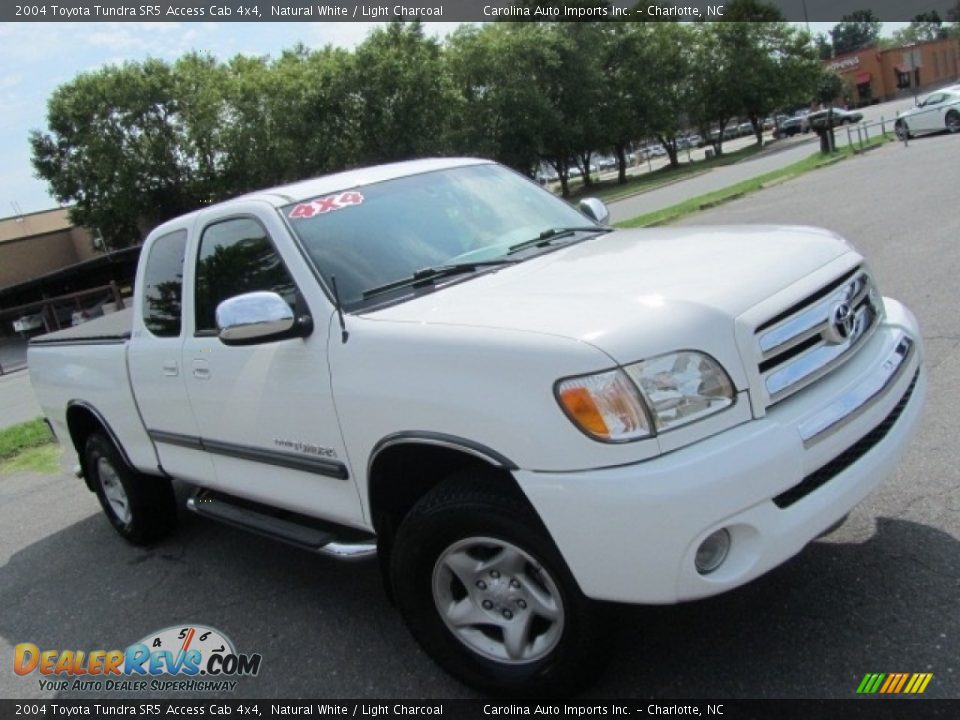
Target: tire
141	508
487	595
901	130
953	121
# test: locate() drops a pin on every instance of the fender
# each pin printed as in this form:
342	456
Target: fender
106	426
426	437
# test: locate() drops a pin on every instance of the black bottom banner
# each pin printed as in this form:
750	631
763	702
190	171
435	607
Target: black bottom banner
914	709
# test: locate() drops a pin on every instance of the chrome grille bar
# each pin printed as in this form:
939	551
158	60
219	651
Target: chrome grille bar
808	344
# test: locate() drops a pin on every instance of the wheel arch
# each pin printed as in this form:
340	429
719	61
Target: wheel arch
83	419
404	466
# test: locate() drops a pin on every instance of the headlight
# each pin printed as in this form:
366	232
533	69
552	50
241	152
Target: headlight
682	387
605	406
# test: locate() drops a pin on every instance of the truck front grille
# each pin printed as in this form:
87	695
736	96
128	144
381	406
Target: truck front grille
812	337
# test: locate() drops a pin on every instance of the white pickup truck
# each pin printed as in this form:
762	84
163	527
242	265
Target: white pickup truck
520	411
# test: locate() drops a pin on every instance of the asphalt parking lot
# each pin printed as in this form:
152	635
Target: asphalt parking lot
881	594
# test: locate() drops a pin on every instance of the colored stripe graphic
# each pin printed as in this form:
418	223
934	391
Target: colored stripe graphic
894	683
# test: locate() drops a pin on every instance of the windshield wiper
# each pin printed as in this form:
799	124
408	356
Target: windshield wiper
427	275
555	233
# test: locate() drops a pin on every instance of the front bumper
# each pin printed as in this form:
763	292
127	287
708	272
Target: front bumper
630	533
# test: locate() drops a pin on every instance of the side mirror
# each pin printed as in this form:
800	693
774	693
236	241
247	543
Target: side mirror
594	208
258	317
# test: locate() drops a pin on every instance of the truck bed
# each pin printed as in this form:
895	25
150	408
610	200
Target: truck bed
112	328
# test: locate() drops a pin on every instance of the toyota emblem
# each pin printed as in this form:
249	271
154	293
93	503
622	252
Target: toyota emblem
843	322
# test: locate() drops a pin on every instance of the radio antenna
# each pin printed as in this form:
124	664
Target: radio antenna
336	298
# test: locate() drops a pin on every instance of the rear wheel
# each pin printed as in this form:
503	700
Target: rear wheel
141	508
953	121
485	592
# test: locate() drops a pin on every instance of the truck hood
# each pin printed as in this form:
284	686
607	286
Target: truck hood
633	292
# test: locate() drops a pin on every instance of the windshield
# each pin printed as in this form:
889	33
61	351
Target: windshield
377	234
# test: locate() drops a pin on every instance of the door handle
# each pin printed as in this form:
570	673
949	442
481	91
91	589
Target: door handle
170	368
201	370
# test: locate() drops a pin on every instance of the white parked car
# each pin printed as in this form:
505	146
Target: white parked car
938	111
519	411
27	323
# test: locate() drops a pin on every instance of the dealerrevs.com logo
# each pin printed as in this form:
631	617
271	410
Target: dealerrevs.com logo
181	658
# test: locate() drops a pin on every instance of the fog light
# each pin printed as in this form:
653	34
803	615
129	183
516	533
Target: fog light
712	551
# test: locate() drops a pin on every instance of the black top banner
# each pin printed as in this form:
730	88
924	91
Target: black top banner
917	709
454	10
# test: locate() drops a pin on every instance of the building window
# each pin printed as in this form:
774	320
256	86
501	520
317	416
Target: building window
903	79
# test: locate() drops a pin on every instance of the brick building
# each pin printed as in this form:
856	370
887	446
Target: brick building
877	75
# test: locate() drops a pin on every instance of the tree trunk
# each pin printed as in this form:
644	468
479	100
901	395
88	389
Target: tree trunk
671	148
757	130
563	170
585	168
622	164
718	145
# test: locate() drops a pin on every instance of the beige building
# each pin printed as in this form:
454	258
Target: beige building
37	244
50	269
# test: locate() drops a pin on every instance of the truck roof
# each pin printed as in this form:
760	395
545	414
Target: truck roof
300	190
346	180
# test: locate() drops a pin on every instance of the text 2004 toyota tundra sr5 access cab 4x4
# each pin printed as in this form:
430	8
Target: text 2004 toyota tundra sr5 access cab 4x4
520	411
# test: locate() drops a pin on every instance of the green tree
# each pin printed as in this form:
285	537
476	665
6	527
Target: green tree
581	47
670	91
114	149
923	28
829	87
286	120
627	97
403	94
824	48
783	70
856	30
713	84
500	108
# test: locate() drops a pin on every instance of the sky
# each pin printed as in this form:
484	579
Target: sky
35	58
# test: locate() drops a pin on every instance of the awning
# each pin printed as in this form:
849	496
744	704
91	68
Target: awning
862	78
902	69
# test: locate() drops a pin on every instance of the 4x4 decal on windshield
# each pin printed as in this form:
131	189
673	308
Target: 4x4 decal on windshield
322	205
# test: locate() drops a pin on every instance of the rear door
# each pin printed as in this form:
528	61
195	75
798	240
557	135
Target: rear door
265	412
154	359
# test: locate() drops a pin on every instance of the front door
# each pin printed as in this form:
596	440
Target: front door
265	411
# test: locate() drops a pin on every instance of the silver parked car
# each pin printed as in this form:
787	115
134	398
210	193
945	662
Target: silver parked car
938	111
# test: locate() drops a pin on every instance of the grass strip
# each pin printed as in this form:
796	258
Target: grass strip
44	459
23	436
610	190
738	190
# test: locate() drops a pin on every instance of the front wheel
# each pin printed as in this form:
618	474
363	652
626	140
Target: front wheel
953	121
900	128
141	508
485	592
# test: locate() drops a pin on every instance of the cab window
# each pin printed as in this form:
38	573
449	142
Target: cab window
236	256
163	285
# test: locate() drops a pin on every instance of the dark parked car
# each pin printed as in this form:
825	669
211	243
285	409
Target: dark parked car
789	127
818	120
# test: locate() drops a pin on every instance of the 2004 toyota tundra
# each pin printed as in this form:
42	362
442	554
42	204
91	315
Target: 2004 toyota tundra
519	410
